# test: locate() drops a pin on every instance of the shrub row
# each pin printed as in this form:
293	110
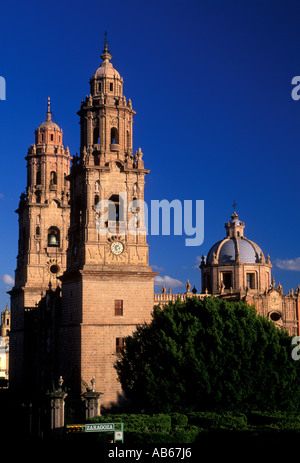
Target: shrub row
198	426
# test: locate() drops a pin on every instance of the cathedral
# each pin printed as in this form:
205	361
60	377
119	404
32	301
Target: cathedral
80	288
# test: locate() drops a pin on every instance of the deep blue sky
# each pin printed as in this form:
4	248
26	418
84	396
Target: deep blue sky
211	83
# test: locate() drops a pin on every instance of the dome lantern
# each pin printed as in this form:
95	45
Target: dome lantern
48	132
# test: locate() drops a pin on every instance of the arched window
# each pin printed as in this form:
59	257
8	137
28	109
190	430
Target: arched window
53	178
251	280
38	177
115	208
53	239
96	138
96	157
226	279
114	136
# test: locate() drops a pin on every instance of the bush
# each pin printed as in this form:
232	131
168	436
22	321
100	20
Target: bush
274	420
200	426
212	420
178	419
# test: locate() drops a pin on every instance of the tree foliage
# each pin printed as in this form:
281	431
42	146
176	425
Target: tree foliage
209	354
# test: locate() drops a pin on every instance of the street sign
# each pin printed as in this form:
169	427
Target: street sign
99	427
118	435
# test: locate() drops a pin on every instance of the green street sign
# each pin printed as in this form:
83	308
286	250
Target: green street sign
99	427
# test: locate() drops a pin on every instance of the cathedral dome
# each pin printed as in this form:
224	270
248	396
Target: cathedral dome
106	69
228	250
49	124
235	247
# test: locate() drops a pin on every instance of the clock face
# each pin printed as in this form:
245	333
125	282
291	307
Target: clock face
117	247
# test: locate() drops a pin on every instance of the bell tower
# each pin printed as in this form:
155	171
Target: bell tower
44	215
108	286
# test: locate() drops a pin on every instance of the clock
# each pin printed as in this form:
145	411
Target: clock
117	248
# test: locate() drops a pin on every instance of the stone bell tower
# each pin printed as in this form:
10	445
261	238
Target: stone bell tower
108	286
44	215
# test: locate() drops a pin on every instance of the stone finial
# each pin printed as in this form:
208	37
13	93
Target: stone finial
202	261
93	382
48	115
106	56
163	290
139	163
60	383
214	258
188	287
268	259
279	288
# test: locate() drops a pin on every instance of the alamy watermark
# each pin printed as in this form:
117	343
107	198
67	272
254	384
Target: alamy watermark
295	351
2	88
117	216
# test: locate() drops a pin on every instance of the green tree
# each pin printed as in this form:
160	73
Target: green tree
209	354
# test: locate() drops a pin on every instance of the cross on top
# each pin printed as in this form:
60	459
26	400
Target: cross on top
234	206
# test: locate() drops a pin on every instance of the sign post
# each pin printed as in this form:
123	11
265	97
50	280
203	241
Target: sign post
118	433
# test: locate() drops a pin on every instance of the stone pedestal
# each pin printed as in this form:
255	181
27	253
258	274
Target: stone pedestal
57	404
92	403
57	409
